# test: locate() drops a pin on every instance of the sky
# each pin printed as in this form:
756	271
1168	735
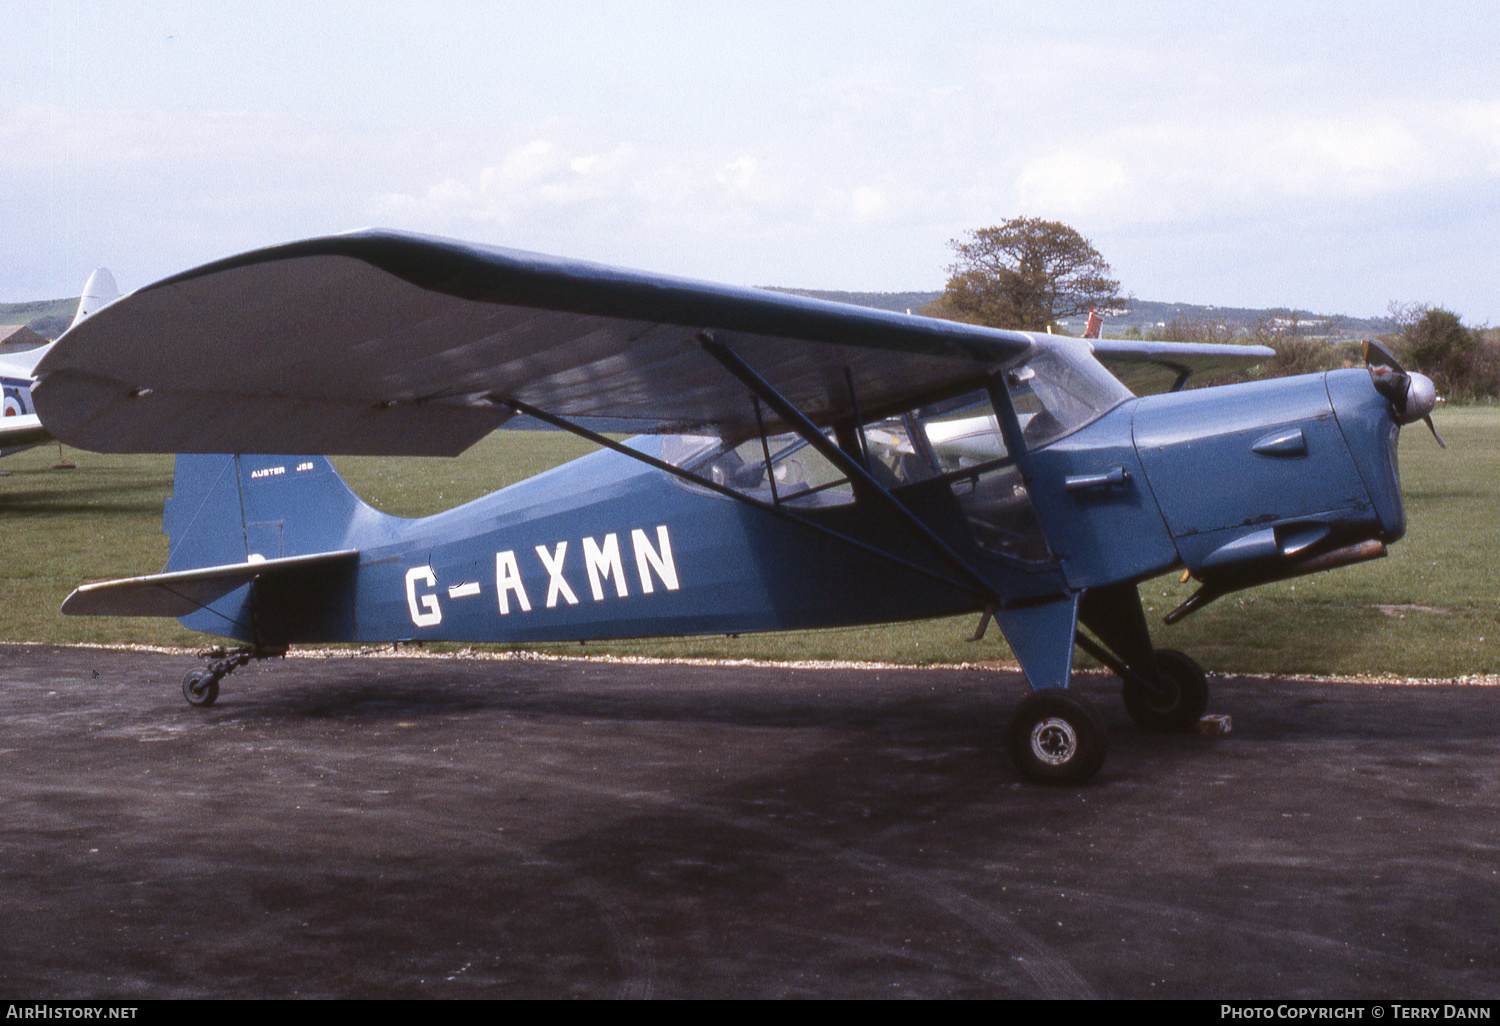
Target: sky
1331	157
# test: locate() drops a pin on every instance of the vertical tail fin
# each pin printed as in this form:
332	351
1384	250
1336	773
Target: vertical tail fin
98	292
230	509
237	509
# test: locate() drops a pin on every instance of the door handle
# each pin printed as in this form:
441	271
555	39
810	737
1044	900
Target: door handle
1119	477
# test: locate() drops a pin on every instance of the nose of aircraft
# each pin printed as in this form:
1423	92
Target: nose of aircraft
1421	397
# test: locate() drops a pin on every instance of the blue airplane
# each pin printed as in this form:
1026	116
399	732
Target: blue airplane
798	464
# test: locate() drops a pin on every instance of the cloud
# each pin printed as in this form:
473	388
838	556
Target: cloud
1169	170
739	174
1071	182
535	174
868	203
689	190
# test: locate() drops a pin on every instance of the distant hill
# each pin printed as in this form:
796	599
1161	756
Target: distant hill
49	318
1141	314
900	302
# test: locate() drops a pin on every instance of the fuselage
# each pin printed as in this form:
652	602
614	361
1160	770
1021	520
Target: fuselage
1250	480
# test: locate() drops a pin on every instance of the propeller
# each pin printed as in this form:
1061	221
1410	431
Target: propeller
1412	395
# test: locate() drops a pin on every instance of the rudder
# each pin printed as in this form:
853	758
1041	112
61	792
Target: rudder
230	509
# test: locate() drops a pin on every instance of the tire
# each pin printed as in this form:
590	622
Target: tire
200	688
1057	738
1180	712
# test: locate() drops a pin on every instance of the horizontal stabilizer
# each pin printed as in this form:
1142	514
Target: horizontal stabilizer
184	591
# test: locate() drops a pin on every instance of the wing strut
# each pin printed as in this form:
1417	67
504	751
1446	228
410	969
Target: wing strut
839	458
986	594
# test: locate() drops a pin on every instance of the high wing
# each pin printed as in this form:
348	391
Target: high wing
1149	367
381	342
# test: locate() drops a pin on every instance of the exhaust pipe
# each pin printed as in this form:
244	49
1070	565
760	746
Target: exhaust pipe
1219	585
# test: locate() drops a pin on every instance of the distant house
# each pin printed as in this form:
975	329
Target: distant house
15	338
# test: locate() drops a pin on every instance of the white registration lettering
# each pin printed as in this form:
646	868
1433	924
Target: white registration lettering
602	562
433	615
507	580
556	586
659	559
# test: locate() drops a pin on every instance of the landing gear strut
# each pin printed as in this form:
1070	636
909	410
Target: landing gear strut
201	687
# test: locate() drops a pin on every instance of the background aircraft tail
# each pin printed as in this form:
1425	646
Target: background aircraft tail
98	292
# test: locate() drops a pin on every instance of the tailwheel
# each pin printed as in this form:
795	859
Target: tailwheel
1057	738
201	687
1184	697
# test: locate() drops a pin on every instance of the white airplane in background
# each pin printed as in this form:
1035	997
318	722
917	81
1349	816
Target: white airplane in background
20	427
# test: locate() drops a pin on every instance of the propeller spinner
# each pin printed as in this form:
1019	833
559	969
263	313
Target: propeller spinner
1412	395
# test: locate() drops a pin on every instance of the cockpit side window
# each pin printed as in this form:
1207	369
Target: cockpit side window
962	432
798	474
957	441
966	445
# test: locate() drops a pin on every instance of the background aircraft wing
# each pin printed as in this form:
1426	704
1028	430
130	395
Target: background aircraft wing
22	432
385	343
1149	367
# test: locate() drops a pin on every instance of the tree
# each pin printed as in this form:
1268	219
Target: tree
1026	273
1461	363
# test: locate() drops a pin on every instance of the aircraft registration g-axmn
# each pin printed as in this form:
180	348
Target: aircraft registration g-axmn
20	427
800	464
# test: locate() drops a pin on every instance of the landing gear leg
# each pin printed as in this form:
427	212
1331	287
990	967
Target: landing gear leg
201	687
1164	690
1056	737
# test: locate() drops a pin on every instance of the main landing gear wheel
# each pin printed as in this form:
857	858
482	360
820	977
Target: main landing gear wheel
1057	738
1182	707
201	687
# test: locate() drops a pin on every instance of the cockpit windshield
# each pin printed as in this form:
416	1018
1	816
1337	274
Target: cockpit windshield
1059	390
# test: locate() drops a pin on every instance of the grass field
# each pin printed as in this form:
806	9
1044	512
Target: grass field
1428	610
